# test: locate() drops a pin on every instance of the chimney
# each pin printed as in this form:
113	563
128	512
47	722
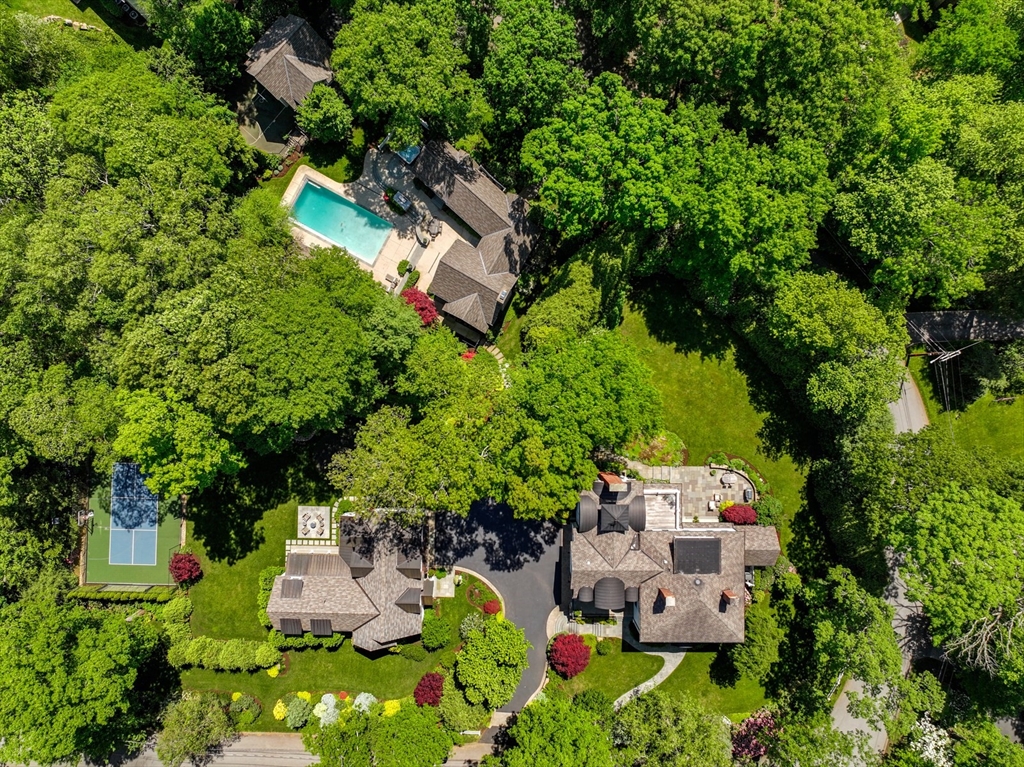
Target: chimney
668	597
613	482
730	597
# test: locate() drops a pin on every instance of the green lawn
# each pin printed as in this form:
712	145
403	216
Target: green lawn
510	341
985	423
341	164
614	674
707	404
318	671
91	12
693	677
225	599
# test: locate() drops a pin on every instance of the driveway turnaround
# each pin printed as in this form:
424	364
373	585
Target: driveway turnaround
521	559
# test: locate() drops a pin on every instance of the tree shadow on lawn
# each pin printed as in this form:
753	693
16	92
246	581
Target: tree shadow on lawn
225	514
509	544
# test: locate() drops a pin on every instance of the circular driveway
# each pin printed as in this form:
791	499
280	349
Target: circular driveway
521	559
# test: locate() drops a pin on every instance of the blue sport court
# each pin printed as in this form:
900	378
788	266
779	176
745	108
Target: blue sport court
133	518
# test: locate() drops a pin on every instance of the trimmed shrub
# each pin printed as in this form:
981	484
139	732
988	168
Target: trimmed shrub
422	303
281	642
403	266
266	582
456	712
299	711
177	610
267	656
178	633
244	709
740	514
589	640
414	652
414	277
594	701
604	647
185	568
568	655
769	510
429	690
472	622
437	632
392	707
447	659
157	594
492	607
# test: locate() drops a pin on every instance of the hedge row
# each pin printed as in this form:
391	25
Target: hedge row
223	655
282	642
163	595
263	597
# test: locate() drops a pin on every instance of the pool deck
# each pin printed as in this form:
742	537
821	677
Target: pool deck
402	243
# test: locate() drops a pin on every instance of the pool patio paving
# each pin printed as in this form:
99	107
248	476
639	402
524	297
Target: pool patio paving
367	192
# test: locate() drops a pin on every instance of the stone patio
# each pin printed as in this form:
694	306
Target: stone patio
406	241
688	489
314	523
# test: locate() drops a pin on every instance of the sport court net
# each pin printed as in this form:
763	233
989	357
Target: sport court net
133	517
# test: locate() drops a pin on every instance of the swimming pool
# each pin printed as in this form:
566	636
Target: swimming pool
340	221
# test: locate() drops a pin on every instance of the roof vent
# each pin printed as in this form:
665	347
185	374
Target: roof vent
698	582
729	597
667	597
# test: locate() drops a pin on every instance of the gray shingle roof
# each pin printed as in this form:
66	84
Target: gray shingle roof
376	607
289	59
464	186
471	281
646	561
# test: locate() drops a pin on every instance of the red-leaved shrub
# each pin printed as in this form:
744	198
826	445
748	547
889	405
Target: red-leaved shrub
751	738
740	515
569	655
422	303
185	568
492	607
429	690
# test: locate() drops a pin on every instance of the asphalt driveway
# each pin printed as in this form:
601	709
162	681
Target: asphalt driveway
521	559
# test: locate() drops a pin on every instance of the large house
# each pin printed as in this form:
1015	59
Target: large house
369	586
474	279
289	59
678	581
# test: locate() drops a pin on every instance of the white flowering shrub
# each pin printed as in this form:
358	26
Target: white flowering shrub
363	702
933	744
326	709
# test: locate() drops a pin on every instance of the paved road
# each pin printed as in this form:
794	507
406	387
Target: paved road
521	560
908	411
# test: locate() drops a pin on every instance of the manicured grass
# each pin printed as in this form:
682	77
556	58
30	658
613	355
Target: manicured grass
614	674
693	677
225	599
456	609
510	341
706	402
338	164
387	677
985	423
91	12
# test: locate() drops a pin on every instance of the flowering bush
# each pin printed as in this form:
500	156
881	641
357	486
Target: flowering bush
429	690
568	655
933	744
392	707
343	695
468	354
363	702
185	568
235	696
308	697
280	710
326	710
472	622
273	671
750	739
422	303
739	515
492	607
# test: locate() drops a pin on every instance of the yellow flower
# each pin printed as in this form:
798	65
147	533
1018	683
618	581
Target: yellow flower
392	707
236	695
273	671
725	505
280	710
305	696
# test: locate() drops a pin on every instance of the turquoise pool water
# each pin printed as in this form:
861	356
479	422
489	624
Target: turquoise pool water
344	223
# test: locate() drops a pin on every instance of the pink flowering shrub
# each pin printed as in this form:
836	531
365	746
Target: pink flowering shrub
751	737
